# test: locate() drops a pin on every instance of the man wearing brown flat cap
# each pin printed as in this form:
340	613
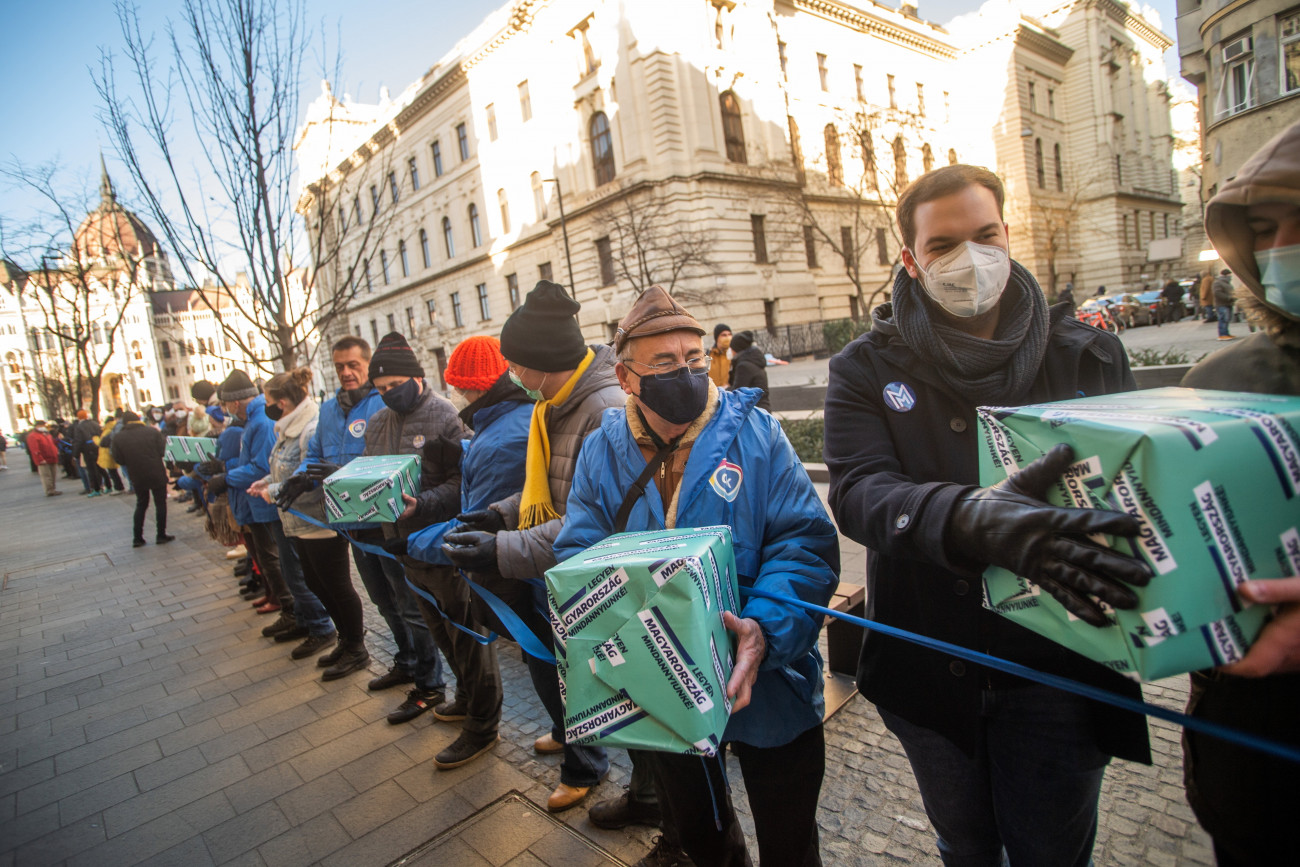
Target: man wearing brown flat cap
720	460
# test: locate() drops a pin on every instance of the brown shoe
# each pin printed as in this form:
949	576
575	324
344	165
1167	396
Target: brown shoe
565	797
547	745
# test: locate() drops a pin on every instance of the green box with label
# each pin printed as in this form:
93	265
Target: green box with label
191	450
643	655
1213	477
370	489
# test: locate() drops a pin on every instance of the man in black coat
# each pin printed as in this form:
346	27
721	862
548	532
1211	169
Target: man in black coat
140	447
749	367
1002	764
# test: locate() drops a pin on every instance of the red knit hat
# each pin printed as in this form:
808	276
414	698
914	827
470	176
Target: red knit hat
475	364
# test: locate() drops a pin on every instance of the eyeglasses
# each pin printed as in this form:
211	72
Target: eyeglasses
668	369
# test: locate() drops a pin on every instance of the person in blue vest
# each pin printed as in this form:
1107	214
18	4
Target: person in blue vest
341	438
721	461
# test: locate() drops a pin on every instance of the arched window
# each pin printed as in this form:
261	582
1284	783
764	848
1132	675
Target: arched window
834	171
424	247
1060	174
401	252
927	157
135	350
952	157
869	178
383	265
900	164
539	197
12	361
602	148
447	240
733	131
505	210
475	232
1038	163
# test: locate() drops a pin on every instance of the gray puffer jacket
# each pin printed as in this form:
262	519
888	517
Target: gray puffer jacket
529	553
292	434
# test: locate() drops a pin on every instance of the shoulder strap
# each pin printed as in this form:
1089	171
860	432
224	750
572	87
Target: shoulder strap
638	487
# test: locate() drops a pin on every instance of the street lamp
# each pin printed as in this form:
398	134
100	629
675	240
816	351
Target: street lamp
564	230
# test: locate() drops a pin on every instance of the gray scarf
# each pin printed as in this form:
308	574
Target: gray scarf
996	372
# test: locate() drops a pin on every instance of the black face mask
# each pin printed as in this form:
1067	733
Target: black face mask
403	398
678	399
273	412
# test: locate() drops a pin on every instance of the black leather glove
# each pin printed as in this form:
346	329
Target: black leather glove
320	472
443	453
395	546
483	520
217	485
472	550
1011	525
211	468
292	488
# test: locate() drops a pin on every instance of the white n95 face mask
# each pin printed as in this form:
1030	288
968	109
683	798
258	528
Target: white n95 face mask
969	279
1279	272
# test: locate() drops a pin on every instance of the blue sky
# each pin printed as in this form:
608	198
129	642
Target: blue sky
50	106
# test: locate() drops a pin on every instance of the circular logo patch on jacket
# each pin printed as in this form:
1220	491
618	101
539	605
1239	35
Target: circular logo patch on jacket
726	480
418	442
358	428
899	397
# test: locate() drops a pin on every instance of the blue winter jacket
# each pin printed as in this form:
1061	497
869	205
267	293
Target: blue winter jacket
341	437
251	465
784	543
492	468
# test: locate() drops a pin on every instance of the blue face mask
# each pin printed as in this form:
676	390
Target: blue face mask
1279	272
403	398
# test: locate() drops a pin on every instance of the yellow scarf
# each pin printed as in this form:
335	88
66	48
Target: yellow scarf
535	507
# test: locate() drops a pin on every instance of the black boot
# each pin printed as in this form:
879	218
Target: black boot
354	657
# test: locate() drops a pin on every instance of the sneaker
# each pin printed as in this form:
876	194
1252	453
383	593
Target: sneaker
236	553
293	633
665	854
354	659
623	811
313	645
138	543
393	677
417	702
284	622
465	749
90	494
164	539
451	711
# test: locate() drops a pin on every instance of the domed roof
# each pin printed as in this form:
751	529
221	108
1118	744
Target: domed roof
112	230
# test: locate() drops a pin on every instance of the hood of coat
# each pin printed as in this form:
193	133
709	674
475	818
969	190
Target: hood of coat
292	424
600	374
1271	175
750	355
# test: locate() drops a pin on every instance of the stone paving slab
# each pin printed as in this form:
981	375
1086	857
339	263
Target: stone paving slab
144	720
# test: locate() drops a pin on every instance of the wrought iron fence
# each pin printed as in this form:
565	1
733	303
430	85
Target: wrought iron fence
805	338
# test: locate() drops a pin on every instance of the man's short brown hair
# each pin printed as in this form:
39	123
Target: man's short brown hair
937	184
343	344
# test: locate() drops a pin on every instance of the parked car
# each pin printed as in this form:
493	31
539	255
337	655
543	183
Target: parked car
1128	310
1153	302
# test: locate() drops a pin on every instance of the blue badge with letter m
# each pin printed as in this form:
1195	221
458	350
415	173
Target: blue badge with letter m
899	397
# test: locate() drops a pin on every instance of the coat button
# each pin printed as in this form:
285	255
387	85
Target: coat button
902	521
957	668
958	425
960	587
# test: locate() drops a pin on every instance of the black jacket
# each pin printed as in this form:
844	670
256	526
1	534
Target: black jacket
139	447
749	370
886	464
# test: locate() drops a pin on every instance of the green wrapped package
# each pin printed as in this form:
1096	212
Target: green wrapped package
191	450
369	490
642	653
1213	477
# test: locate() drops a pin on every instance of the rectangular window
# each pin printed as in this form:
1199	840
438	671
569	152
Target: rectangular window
484	313
544	271
857	81
1051	103
606	256
358	330
356	209
383	264
512	289
462	141
392	323
1289	33
343	219
437	159
848	247
491	111
920	99
456	315
410	320
166	349
882	248
810	246
756	227
780	54
525	102
1237	85
374	332
822	72
374	197
415	174
431	306
392	186
1033	99
406	263
893	96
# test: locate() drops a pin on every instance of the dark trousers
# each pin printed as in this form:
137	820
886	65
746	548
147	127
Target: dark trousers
143	488
478	676
385	583
783	784
261	544
112	477
325	568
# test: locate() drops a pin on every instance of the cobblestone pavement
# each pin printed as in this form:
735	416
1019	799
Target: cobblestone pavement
144	720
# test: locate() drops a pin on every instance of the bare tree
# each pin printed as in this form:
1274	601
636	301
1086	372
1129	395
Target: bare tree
1051	222
235	68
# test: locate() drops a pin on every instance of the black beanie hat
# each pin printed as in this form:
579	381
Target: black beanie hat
742	341
718	329
130	416
237	386
394	357
543	333
202	391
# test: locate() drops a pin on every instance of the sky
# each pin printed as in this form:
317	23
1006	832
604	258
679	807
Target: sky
50	106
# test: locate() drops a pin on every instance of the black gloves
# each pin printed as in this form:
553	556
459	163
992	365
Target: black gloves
1011	525
217	485
323	470
292	488
485	520
211	467
472	550
443	453
395	546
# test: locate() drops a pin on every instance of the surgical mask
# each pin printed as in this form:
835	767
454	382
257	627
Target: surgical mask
678	398
404	397
534	393
967	280
1279	272
40	430
458	400
157	416
273	412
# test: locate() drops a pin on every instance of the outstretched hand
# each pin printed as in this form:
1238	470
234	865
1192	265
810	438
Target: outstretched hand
750	650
